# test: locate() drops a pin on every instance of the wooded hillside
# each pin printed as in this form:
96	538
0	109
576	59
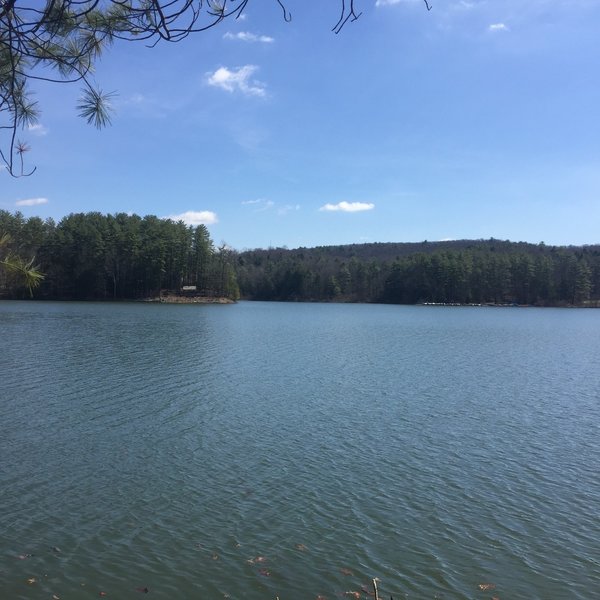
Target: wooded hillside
462	271
95	256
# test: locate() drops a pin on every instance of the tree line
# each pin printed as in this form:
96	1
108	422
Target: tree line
98	257
462	272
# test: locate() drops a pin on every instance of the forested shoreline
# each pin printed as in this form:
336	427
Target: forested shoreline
93	256
453	272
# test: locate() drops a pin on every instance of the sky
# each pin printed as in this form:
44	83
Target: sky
476	119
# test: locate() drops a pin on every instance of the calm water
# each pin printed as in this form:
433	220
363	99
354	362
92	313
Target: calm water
298	450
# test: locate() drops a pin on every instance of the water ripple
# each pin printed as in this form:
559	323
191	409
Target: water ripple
298	450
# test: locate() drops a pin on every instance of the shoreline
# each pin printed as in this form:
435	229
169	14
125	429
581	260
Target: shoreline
174	299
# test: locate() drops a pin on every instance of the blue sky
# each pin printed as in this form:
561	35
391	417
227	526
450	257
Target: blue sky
476	119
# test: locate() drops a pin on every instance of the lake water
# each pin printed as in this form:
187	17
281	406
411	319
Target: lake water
298	450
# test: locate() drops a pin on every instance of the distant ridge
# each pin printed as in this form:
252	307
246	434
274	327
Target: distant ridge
461	272
390	250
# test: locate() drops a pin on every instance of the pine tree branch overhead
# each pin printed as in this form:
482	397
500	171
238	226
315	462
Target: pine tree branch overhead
60	40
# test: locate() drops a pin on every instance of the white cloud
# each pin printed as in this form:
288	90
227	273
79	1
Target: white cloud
287	208
31	202
348	206
497	27
239	79
247	36
37	129
260	204
392	2
193	217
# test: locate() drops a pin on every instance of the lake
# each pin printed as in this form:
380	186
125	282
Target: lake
298	450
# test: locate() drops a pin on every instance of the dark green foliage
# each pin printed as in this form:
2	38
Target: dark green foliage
96	256
462	271
19	239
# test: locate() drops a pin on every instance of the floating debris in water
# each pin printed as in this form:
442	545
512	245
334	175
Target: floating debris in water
56	549
301	547
346	572
352	594
102	594
24	556
31	580
215	557
55	597
144	590
487	586
264	572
